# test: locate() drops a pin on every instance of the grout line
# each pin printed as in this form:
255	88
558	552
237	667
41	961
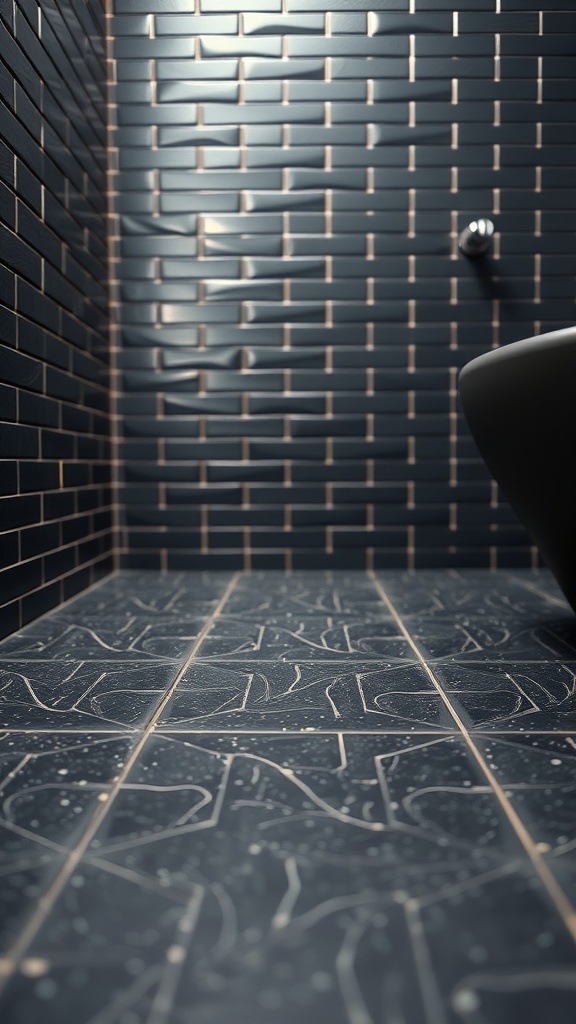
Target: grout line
114	346
11	960
550	598
441	731
554	890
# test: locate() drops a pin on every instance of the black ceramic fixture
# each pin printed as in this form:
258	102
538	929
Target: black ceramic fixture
520	405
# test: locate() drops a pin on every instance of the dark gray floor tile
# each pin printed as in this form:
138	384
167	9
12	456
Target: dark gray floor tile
162	589
166	596
50	785
269	878
76	694
317	638
476	592
139	639
125	610
260	595
539	776
468	639
511	696
494	952
305	696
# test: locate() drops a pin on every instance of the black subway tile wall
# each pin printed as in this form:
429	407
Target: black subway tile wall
291	177
55	500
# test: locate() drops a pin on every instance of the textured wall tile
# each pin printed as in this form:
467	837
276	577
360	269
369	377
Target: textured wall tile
313	319
54	284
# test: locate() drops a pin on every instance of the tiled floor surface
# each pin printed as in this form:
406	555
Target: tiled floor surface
269	799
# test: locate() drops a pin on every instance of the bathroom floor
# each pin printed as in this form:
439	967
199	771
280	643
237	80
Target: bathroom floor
268	799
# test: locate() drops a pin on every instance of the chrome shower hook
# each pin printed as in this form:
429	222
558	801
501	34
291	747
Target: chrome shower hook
476	238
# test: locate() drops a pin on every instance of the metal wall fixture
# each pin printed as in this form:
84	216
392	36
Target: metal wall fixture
476	237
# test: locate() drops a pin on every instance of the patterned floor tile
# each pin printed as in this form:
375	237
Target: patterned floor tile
75	694
50	787
342	878
309	696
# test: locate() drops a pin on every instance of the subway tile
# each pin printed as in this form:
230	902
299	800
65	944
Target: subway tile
262	92
216	291
270	6
197	92
265	113
200	268
260	24
174	24
304	69
390	46
274	263
280	201
206	70
199	202
256	268
223	46
180	181
385	24
326	91
243	245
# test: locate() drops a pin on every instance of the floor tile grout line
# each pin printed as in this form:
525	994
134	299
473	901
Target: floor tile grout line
298	731
10	960
550	598
561	902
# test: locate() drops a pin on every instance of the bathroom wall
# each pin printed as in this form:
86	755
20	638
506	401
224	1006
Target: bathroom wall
54	475
291	179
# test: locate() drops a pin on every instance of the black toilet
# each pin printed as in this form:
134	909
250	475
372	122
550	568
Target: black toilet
520	404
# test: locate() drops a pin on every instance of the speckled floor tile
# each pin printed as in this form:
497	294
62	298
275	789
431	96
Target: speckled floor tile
325	820
538	774
75	694
306	696
516	696
299	875
315	638
51	785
